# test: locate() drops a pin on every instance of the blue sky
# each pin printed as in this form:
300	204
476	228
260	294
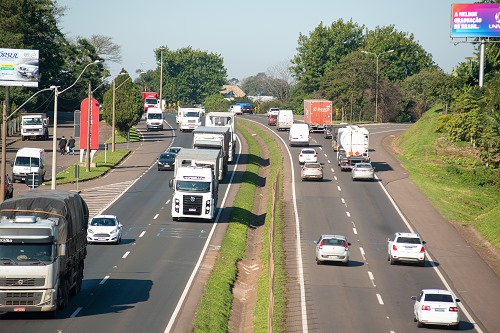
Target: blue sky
251	36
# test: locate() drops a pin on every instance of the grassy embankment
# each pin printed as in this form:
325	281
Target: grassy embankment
214	309
462	193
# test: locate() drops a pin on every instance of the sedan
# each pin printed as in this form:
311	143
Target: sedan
166	161
104	229
332	248
308	155
436	307
363	171
174	150
407	247
311	170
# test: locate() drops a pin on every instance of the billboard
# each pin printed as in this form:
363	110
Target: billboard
19	67
475	20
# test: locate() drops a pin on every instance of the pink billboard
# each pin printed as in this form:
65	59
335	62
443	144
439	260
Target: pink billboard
475	20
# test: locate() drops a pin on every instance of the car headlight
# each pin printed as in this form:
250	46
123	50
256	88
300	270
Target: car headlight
90	231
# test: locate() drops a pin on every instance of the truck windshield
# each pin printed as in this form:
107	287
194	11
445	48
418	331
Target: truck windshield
190	186
25	254
154	115
27	161
32	121
151	101
192	114
220	121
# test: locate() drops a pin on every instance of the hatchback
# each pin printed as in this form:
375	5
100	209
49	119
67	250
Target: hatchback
328	132
407	247
363	171
174	150
436	307
311	170
104	229
332	248
271	120
166	161
308	155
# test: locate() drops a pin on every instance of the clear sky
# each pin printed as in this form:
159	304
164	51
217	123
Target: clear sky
251	36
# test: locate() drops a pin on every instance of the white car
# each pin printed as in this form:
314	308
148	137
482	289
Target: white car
273	111
308	155
436	307
104	229
332	248
236	109
408	247
363	171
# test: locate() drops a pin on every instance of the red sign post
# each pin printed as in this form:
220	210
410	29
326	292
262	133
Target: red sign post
94	124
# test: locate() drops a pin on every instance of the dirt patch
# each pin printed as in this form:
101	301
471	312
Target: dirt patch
249	269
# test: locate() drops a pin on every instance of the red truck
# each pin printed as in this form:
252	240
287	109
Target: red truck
317	114
150	99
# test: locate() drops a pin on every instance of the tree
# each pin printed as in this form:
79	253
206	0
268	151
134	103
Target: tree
280	81
256	85
105	48
215	103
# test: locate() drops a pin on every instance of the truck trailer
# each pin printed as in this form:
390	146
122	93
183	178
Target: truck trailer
224	119
317	114
215	138
34	126
43	246
353	146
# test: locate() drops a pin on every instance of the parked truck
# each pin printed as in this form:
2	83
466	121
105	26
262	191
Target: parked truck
42	250
34	126
224	119
150	99
353	147
216	138
195	184
317	114
189	118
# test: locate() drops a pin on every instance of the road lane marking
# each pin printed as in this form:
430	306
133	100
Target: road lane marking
332	170
156	216
168	201
126	254
142	233
104	280
74	314
355	231
338	187
362	253
381	302
343	201
348	214
328	161
372	278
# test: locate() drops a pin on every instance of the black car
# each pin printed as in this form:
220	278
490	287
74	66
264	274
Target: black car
166	161
174	150
247	109
328	132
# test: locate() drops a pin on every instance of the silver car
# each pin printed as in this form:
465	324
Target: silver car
363	170
332	248
311	170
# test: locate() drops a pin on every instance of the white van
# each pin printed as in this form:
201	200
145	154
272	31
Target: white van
299	135
284	120
27	162
154	119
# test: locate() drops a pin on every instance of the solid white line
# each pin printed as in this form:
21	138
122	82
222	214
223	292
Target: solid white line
104	280
74	314
126	254
380	299
142	234
156	216
362	253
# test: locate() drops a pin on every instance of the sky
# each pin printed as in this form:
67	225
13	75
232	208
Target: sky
252	36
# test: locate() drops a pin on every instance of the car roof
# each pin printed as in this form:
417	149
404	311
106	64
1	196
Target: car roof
333	236
407	234
437	291
105	216
304	149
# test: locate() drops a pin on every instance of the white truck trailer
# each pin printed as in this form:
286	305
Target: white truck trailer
34	126
354	145
214	138
224	119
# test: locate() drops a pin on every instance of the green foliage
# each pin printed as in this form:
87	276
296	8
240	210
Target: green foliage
215	102
256	85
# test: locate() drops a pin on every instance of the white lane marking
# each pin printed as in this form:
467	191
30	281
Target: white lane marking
126	255
432	261
362	253
343	201
335	177
142	233
74	314
328	161
168	201
326	156
338	187
321	148
381	302
104	280
348	214
156	216
355	231
372	279
332	170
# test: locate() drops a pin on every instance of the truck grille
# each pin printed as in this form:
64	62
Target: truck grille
22	282
21	298
192	204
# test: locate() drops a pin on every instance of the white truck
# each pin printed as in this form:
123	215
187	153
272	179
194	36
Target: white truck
29	162
154	119
284	120
34	126
214	138
224	119
195	185
189	118
353	146
200	158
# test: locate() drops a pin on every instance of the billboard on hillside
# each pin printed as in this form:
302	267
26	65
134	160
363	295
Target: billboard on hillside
475	20
19	67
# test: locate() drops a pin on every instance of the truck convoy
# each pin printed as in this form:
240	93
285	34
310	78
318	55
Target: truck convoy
189	118
215	138
42	249
34	126
353	146
150	99
224	119
195	184
317	114
154	119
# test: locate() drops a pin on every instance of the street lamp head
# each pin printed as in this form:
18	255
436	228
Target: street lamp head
390	51
97	61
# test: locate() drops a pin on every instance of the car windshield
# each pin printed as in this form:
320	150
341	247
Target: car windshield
438	298
151	101
103	222
408	240
167	156
333	242
32	121
192	114
154	115
308	152
27	161
175	149
363	166
312	165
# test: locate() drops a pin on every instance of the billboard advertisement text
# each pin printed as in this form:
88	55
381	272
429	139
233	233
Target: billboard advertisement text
475	20
19	67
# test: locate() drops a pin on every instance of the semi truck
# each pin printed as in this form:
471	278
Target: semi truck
43	246
189	118
353	146
224	119
215	138
34	126
150	99
317	114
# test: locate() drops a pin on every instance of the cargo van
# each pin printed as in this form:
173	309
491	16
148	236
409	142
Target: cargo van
299	135
154	119
285	120
27	162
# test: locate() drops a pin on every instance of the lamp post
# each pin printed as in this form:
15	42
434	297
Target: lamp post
376	82
161	78
113	122
54	134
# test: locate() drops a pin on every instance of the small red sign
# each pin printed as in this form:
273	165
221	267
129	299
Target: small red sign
94	124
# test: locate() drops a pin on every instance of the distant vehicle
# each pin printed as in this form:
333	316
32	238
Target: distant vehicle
436	307
271	120
299	135
154	119
311	170
104	229
317	113
29	161
247	109
29	70
174	150
284	120
328	132
34	126
8	188
363	171
150	99
236	109
308	155
332	248
166	161
272	111
407	247
189	117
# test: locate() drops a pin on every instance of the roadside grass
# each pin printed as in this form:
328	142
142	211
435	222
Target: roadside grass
119	138
463	194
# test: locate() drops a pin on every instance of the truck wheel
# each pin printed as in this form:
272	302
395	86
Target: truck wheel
175	219
23	138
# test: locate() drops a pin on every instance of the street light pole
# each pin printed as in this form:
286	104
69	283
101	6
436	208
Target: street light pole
161	79
376	81
54	134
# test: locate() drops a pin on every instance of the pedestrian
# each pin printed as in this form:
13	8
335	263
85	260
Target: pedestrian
62	145
71	145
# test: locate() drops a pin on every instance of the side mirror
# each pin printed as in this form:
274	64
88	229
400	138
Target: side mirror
388	240
457	300
120	225
424	242
349	244
413	298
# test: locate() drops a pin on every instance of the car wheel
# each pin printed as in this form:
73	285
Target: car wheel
318	262
175	219
391	260
414	318
419	324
